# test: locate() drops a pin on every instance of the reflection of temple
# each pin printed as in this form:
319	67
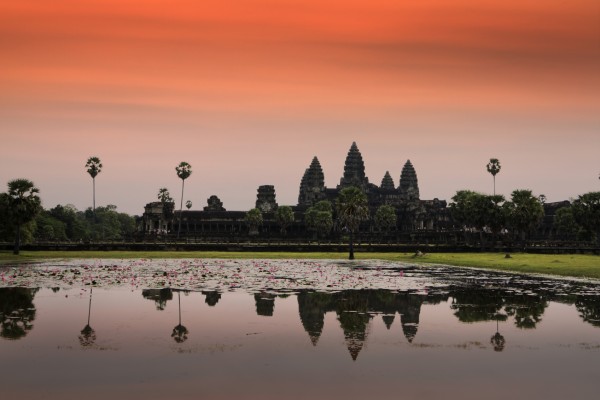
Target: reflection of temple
355	309
17	312
160	297
265	304
212	297
214	220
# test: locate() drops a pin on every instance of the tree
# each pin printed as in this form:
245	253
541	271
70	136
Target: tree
284	217
352	209
385	218
184	170
188	204
24	205
564	223
586	210
493	168
254	219
94	167
164	196
524	212
319	218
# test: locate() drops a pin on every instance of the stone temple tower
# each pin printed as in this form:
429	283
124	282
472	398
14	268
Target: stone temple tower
354	170
409	185
387	183
312	186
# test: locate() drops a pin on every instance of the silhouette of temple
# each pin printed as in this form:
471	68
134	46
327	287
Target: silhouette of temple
412	212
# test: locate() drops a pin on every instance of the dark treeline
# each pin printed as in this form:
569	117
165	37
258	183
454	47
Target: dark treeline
67	223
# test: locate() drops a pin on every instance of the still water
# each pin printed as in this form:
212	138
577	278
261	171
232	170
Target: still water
232	330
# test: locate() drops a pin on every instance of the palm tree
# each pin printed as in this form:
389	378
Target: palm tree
94	167
352	209
493	168
23	205
188	204
184	170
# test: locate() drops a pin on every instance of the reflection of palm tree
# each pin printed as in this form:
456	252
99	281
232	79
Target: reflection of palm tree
88	336
179	332
498	340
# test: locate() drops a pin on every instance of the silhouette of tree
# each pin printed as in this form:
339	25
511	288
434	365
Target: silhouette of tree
254	219
184	170
385	218
94	167
352	209
23	206
164	196
586	210
284	217
493	168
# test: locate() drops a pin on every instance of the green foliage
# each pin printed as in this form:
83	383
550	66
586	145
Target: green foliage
564	223
109	224
476	210
49	228
254	219
385	217
319	218
352	208
524	212
284	217
22	206
586	211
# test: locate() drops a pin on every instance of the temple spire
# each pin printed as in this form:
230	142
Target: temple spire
387	183
409	185
312	185
354	169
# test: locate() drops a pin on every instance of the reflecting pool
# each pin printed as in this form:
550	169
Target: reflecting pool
258	329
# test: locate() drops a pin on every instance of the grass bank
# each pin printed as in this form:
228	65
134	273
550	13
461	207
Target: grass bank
575	265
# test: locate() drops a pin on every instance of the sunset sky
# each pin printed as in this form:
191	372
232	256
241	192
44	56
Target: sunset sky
248	91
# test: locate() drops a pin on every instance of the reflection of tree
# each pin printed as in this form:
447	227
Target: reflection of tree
212	297
527	310
87	336
589	309
265	304
180	332
17	312
476	305
160	297
497	340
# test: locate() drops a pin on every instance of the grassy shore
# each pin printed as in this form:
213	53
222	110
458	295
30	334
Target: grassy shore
575	265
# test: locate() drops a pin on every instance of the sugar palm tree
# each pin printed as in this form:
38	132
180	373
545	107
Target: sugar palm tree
184	170
94	167
352	209
24	204
87	335
493	168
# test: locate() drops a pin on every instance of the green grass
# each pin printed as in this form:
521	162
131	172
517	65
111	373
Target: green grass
574	265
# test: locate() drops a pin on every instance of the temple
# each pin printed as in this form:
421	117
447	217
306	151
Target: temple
412	212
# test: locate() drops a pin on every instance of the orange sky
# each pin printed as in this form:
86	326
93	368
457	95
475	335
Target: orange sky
249	91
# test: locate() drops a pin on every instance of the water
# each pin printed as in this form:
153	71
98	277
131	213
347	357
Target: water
293	329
